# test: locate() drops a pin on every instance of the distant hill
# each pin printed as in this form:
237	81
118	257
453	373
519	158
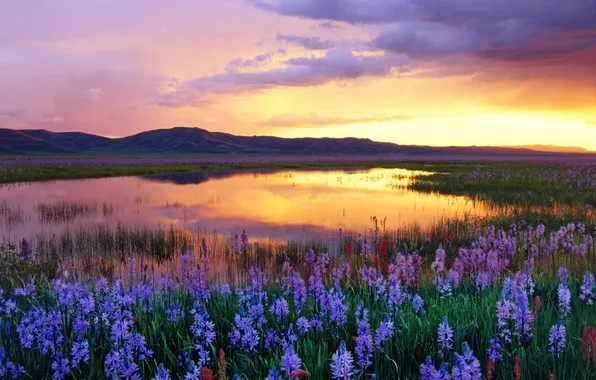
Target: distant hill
554	148
181	140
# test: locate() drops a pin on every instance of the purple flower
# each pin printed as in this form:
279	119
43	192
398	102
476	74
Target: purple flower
303	326
467	366
586	289
290	362
175	312
80	352
364	343
557	339
494	351
522	315
342	363
564	297
204	331
274	375
60	366
280	309
504	310
244	335
271	339
445	336
162	373
563	274
384	333
418	303
427	370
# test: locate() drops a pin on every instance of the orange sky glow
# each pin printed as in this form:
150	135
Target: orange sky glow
410	72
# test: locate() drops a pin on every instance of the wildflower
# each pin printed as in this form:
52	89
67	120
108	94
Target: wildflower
564	296
494	351
303	326
162	373
204	331
384	333
557	339
280	308
271	339
175	312
589	345
290	362
342	363
60	366
445	336
490	368
418	303
274	374
466	366
80	352
364	344
428	370
563	274
587	288
517	368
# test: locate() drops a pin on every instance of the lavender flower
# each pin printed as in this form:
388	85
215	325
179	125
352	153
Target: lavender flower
60	366
586	289
271	339
467	366
557	339
342	363
364	343
384	333
244	335
204	331
418	304
445	336
280	309
274	374
563	274
303	326
175	312
80	352
564	296
290	362
494	351
428	370
162	373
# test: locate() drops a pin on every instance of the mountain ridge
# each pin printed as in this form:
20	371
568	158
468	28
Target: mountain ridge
188	140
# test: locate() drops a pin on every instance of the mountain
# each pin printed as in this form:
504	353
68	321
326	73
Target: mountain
182	140
554	148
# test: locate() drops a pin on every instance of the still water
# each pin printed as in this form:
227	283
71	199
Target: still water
281	205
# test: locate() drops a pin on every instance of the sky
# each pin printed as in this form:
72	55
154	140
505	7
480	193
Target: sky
423	72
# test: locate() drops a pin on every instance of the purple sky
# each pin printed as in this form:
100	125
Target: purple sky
433	72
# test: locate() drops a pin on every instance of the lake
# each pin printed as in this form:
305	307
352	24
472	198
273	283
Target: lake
281	205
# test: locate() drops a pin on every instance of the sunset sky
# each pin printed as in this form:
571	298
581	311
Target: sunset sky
425	72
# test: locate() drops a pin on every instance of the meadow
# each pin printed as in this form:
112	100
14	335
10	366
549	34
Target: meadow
510	296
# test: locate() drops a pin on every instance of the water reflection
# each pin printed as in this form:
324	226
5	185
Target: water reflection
276	205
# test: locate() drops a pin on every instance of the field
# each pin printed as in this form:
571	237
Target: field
510	296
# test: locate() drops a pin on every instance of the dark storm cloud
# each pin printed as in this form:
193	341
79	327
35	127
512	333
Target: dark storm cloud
543	31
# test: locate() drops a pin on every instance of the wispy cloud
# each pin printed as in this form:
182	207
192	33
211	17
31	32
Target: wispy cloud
323	120
336	64
309	43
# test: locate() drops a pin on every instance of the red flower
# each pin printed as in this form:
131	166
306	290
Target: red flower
489	369
348	249
517	368
206	374
589	345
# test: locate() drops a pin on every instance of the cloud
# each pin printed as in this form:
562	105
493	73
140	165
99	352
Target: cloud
336	64
533	31
322	120
309	43
591	123
258	61
329	25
